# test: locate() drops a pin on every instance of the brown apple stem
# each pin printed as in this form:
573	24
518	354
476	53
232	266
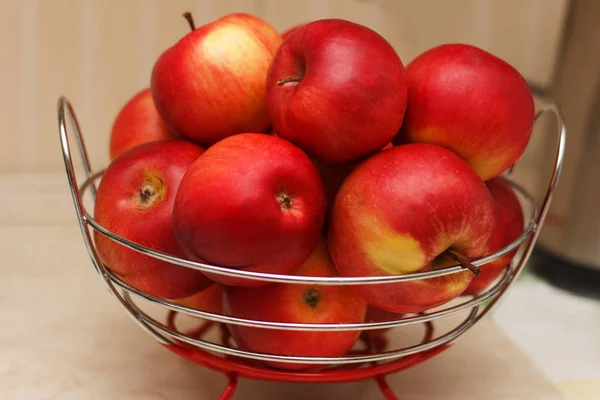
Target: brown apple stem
188	16
286	80
474	269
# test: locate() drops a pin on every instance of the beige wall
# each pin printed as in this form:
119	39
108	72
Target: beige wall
98	52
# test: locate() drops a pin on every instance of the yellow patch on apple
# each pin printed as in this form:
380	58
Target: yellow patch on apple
393	252
480	162
487	163
230	46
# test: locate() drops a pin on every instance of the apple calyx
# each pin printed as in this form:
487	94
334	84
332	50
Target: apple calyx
146	194
188	16
312	297
150	192
283	81
465	262
285	201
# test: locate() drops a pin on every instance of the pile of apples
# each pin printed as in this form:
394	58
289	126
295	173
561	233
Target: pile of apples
314	153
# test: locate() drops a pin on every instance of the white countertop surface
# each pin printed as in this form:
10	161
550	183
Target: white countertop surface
558	330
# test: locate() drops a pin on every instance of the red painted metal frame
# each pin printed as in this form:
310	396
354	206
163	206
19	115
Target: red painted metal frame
235	367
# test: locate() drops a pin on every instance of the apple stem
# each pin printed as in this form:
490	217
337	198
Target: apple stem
474	269
283	81
188	16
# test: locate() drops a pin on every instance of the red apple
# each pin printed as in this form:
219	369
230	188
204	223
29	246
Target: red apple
289	31
137	123
211	84
135	200
253	202
471	102
509	226
301	304
376	314
209	299
336	89
333	176
400	212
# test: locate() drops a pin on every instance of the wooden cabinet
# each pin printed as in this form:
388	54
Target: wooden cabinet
99	53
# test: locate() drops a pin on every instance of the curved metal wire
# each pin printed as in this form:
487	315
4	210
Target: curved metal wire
349	359
551	108
65	108
163	334
281	278
293	326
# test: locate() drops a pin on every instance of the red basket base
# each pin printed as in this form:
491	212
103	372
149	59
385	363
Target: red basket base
234	367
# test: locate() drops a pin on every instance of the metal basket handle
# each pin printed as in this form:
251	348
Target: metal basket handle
65	109
552	108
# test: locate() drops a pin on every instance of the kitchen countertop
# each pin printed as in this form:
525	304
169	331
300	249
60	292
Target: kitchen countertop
558	330
66	338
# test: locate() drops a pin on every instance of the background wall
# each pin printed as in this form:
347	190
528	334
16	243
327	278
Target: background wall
98	53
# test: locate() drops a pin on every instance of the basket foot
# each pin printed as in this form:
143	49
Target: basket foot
385	388
229	390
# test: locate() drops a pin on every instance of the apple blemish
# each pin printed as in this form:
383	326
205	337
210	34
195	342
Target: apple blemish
312	297
152	190
285	201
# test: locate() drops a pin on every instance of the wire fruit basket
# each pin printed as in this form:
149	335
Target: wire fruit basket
374	360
